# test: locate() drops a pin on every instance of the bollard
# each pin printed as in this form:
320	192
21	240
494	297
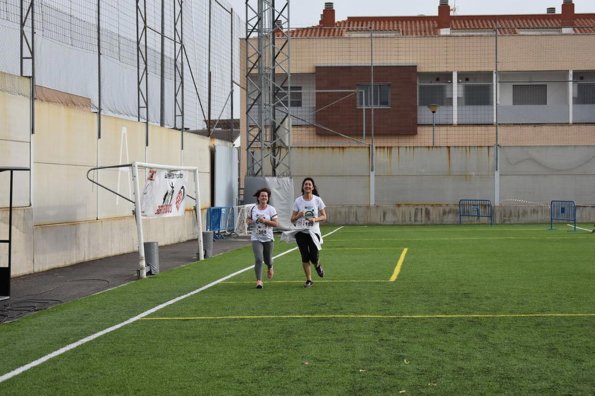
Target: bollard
151	258
207	243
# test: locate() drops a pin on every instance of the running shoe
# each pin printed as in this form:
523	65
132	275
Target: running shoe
259	284
308	284
319	270
270	273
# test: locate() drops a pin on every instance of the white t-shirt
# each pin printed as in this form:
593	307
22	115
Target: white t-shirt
262	232
311	209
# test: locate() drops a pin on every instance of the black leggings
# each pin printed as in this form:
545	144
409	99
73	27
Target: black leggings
307	247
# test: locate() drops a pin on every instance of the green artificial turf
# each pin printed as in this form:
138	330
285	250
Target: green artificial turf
475	309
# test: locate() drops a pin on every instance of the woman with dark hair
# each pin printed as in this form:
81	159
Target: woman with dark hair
263	217
308	212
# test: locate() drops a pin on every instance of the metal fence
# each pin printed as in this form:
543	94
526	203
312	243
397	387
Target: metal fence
96	46
483	88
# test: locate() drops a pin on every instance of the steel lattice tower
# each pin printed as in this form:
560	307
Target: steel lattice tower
267	87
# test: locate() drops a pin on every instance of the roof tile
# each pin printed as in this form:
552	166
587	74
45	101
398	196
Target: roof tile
428	25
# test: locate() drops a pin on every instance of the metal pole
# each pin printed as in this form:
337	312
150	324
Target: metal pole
146	78
263	92
497	146
231	119
374	91
10	231
137	64
433	126
139	223
273	94
372	124
98	69
182	67
162	96
33	67
209	98
201	251
22	34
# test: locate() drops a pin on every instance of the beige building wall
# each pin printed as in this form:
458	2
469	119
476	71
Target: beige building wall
515	53
448	53
463	135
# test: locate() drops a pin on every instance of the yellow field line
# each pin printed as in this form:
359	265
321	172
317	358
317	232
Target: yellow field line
401	238
436	316
361	248
317	281
399	265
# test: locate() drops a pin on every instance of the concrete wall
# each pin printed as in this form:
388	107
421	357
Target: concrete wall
448	214
419	185
59	216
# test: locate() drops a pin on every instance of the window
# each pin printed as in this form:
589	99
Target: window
472	32
432	94
534	94
295	95
586	94
379	96
478	95
539	31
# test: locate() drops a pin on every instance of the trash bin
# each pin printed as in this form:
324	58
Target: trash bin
151	258
207	243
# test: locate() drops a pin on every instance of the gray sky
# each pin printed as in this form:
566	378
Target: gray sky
307	12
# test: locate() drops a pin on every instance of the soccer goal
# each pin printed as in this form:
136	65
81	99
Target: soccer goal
163	195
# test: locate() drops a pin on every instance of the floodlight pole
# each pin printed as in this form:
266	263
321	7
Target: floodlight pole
268	85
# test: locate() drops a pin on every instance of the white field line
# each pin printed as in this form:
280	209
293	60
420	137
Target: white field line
92	337
579	228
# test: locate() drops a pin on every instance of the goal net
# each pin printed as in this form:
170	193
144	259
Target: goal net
240	214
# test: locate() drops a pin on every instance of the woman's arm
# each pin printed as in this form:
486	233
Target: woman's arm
321	216
295	215
273	222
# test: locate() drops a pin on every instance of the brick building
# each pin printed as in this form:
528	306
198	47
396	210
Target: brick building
495	79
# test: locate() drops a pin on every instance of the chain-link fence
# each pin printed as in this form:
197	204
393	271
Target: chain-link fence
532	85
202	36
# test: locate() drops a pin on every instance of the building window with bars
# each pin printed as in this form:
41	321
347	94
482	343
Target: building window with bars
585	94
532	94
432	94
477	95
373	95
295	96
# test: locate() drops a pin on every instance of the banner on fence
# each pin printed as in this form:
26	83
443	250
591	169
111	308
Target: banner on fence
164	193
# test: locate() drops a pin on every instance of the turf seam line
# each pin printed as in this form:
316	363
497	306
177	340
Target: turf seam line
92	337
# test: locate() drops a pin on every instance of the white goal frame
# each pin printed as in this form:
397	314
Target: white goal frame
142	268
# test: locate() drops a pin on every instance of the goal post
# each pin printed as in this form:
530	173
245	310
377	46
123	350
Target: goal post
138	208
171	201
